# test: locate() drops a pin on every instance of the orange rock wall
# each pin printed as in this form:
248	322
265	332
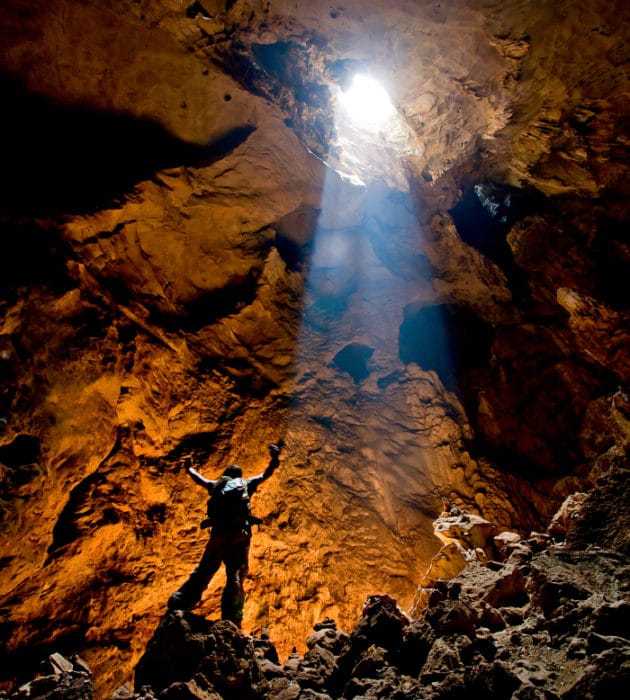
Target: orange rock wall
220	287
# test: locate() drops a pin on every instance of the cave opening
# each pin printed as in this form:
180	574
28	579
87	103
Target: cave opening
367	103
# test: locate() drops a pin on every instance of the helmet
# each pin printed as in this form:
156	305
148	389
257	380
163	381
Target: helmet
233	471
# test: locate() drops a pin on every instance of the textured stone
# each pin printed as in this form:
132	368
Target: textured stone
193	267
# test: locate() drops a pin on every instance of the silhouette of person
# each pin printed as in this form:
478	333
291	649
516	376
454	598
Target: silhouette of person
231	520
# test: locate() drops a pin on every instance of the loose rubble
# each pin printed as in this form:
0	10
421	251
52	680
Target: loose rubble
58	678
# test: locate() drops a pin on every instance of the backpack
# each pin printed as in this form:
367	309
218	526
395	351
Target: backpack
228	506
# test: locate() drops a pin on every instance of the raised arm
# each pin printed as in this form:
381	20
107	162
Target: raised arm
274	453
197	477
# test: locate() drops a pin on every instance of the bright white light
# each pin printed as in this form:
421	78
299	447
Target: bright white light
367	103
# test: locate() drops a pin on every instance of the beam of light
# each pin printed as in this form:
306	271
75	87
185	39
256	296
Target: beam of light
366	103
372	138
365	267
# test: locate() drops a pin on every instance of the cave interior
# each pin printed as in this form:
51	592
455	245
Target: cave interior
209	245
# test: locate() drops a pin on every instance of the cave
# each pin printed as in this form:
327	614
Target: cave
390	238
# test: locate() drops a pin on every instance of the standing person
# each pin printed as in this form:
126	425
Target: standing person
231	520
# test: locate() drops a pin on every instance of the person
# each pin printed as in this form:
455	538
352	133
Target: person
229	539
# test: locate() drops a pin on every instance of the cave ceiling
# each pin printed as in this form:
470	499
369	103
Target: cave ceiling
204	254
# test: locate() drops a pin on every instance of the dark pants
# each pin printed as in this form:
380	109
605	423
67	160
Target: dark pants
232	549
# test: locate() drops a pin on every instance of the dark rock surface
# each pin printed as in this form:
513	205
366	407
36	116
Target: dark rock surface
548	622
547	625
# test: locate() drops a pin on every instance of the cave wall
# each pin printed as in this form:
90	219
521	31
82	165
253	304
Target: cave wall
184	275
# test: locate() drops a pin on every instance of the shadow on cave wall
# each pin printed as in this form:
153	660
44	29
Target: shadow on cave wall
60	159
33	254
484	216
537	402
446	339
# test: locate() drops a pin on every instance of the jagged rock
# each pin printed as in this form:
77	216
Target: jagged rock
605	514
447	563
466	538
556	628
470	530
492	618
493	680
327	638
417	642
284	689
186	648
601	332
444	659
61	678
564	520
452	618
605	676
382	623
505	543
123	693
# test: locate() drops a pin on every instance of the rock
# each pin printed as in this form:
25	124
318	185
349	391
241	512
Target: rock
600	332
381	627
67	680
505	542
466	537
382	623
201	256
444	659
564	520
123	693
554	628
492	619
469	530
185	645
606	675
327	638
605	514
60	664
418	641
371	662
284	689
491	680
452	618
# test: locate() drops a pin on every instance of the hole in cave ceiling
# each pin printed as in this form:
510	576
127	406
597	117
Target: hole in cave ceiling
340	111
366	103
372	138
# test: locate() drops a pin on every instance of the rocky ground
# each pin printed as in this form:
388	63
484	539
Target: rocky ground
542	620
